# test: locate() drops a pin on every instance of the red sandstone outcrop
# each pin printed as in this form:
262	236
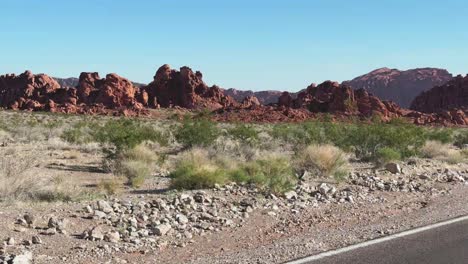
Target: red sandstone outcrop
400	86
331	97
186	89
449	96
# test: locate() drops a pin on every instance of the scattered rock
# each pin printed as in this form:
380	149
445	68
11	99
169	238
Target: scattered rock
393	167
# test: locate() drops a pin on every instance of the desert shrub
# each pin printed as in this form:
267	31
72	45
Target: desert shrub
136	164
272	174
80	133
197	132
433	149
127	133
16	181
326	160
440	151
461	138
244	133
197	169
109	186
444	135
386	154
194	169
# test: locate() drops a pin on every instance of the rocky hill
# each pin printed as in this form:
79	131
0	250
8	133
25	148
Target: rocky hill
449	96
400	86
185	89
264	97
73	82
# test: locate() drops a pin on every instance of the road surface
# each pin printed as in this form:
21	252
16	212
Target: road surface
444	243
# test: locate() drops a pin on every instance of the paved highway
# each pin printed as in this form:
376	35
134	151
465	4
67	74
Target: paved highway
445	243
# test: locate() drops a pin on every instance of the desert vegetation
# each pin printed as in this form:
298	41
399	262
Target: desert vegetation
196	153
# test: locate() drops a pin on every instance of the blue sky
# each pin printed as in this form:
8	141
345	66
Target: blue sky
263	44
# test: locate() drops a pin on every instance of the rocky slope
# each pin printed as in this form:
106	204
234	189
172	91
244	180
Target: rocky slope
449	96
264	97
186	89
73	82
400	86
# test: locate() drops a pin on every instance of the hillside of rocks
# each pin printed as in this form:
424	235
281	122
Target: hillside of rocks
264	97
449	96
185	89
398	86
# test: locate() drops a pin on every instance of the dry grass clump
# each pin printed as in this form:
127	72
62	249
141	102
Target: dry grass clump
16	180
136	164
326	160
110	186
440	151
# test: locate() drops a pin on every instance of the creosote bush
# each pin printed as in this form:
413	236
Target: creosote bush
325	160
385	155
197	132
127	134
196	169
244	133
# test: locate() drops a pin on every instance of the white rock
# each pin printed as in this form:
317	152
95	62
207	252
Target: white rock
162	229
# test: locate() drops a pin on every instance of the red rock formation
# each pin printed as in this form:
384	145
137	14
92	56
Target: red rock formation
400	86
186	89
331	97
26	91
92	96
450	96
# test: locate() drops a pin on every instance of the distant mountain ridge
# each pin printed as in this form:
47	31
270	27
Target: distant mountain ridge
398	86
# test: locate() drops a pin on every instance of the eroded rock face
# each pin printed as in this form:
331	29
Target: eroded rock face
186	89
93	95
26	90
331	97
400	86
452	95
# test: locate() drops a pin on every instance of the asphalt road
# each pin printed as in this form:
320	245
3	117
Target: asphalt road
441	245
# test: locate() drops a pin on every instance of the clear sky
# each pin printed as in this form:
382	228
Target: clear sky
255	44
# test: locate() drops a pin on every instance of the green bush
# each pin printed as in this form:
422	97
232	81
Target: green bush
79	133
461	139
127	134
386	154
273	174
197	132
244	133
195	169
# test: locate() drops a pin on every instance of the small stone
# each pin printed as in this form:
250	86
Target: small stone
161	230
96	234
393	167
113	237
182	219
29	218
36	240
24	258
50	231
104	206
100	214
10	241
291	195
